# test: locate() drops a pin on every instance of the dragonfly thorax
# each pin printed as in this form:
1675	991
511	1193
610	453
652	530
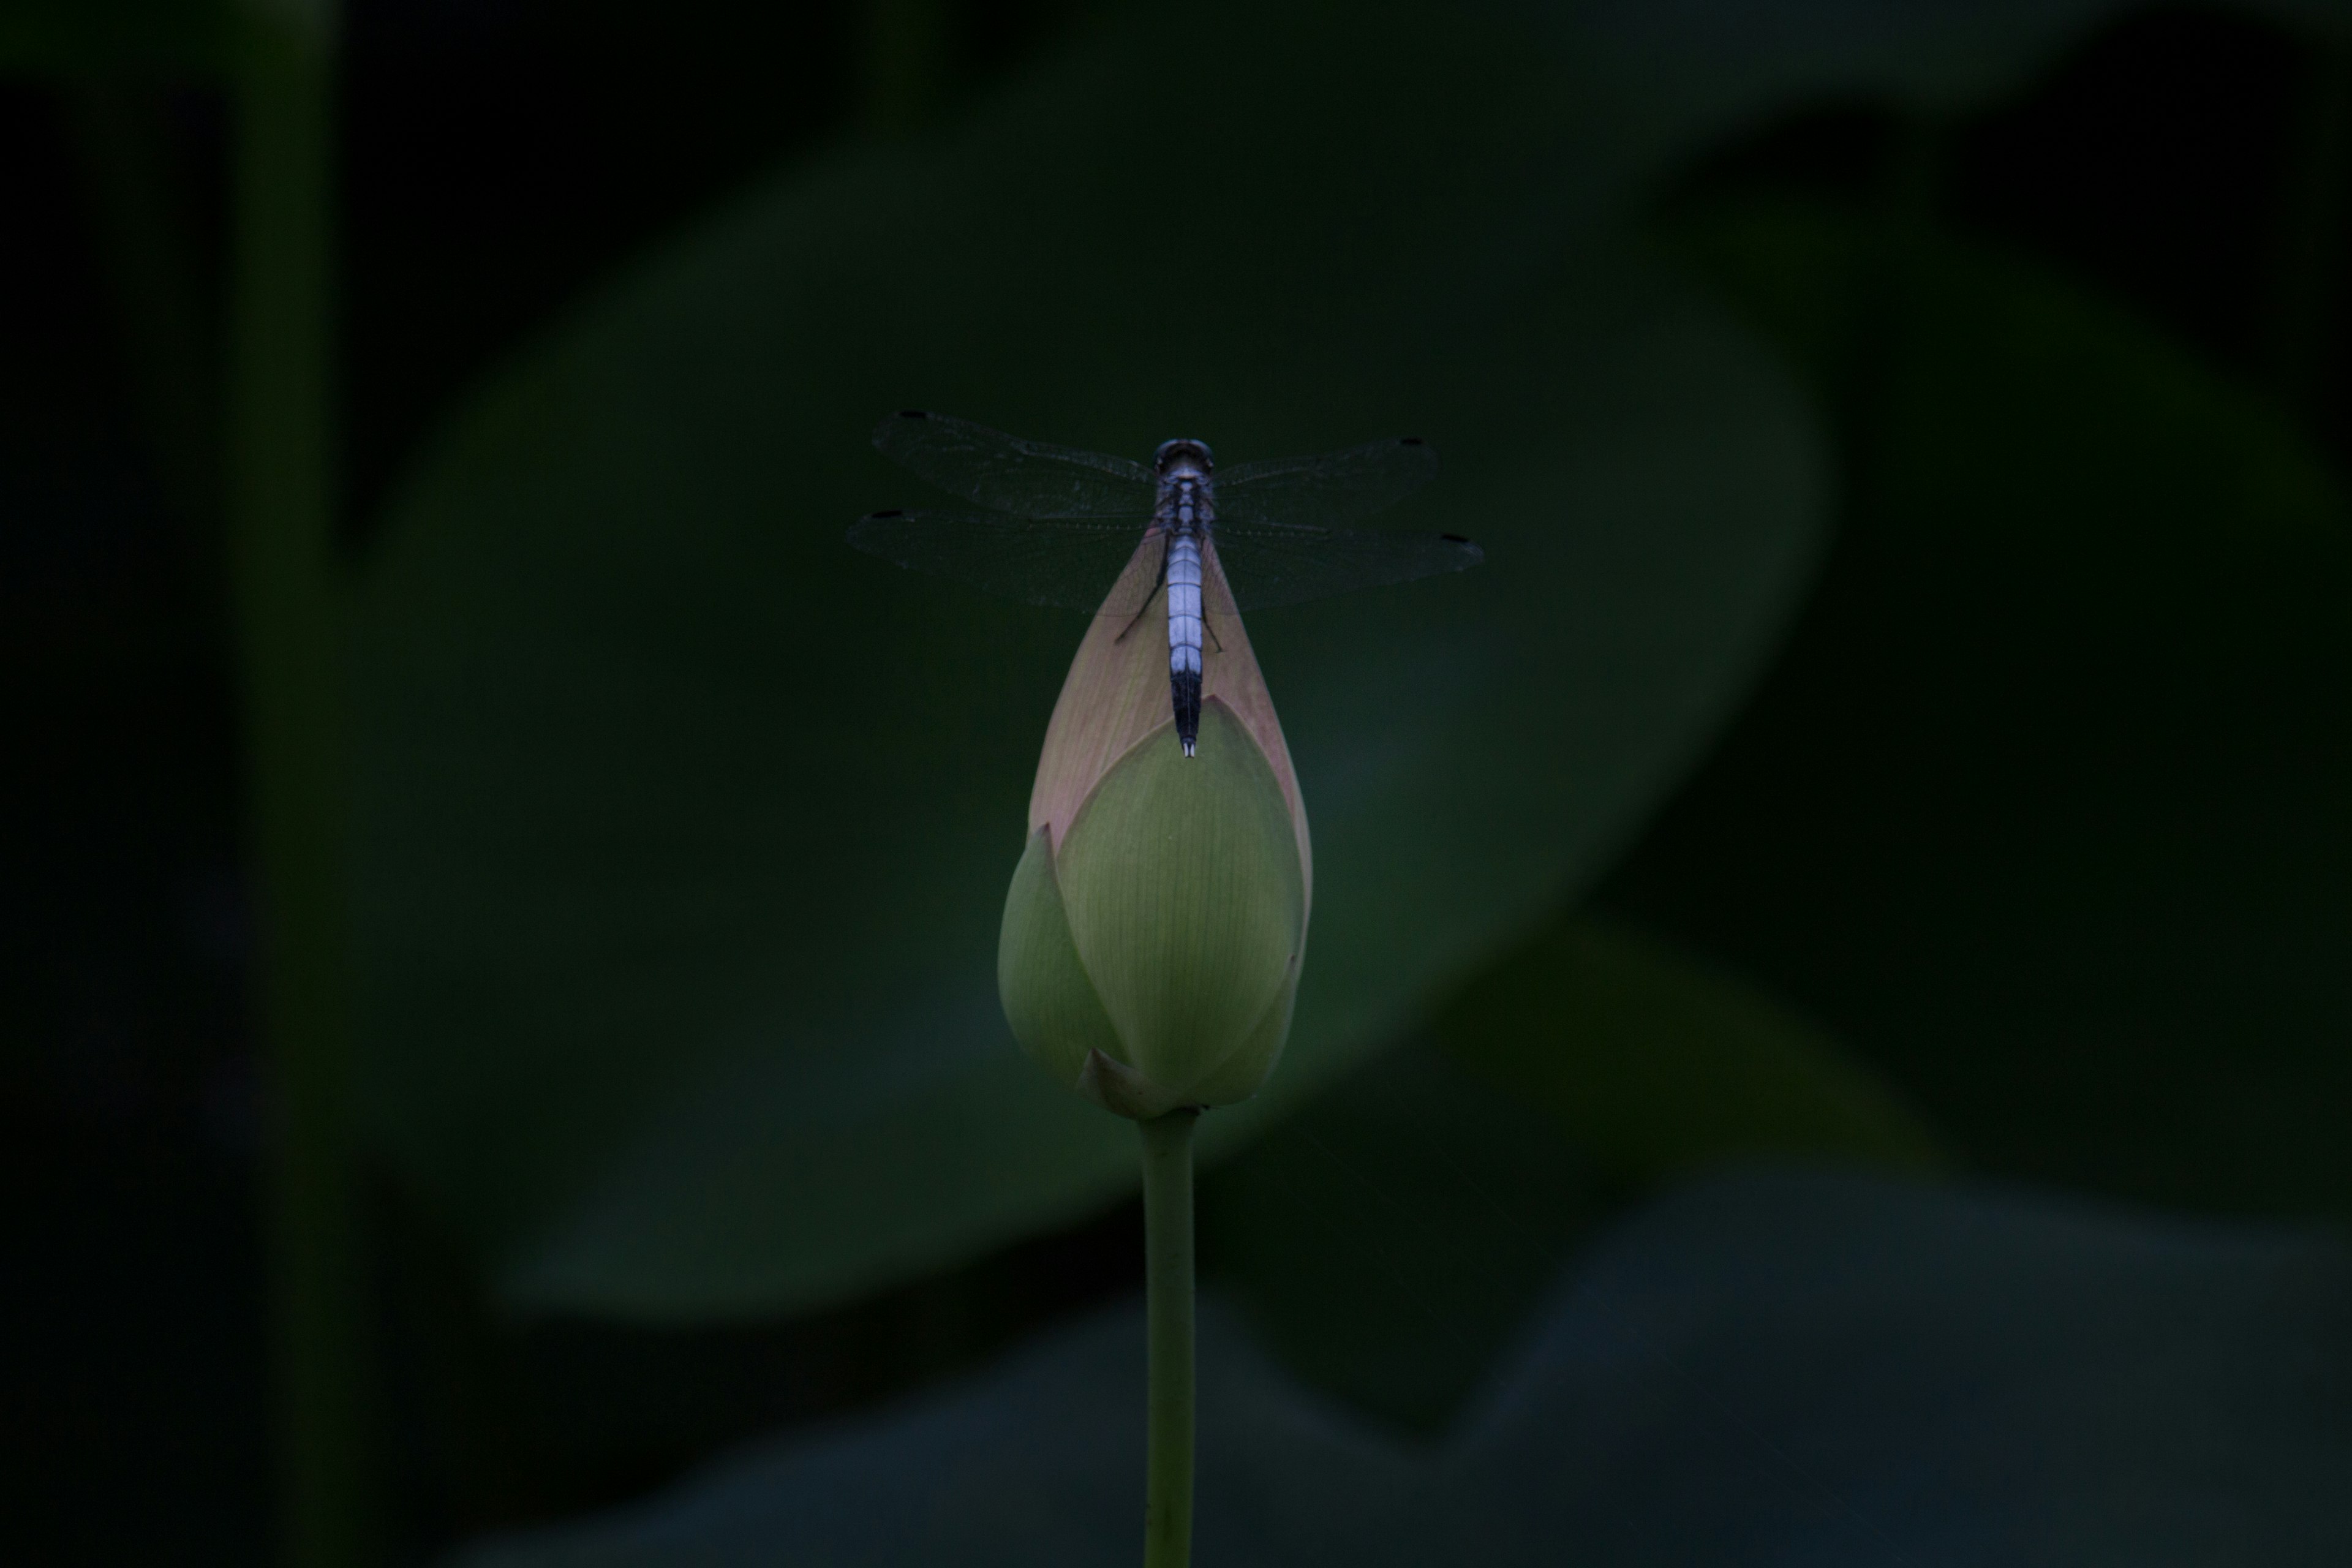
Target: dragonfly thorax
1175	456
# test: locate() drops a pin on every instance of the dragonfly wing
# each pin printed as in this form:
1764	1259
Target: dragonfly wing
1269	565
1070	563
1005	473
1325	491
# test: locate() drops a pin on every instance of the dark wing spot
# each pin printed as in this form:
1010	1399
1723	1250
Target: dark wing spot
912	413
1411	441
1449	538
891	513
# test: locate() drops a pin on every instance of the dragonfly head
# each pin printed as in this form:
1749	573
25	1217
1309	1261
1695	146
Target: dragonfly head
1177	456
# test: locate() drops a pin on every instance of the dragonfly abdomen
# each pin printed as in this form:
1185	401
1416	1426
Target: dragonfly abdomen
1187	509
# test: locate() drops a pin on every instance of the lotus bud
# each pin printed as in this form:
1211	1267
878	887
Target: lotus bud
1156	922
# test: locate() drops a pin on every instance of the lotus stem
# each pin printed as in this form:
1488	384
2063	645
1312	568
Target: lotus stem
1167	1297
286	584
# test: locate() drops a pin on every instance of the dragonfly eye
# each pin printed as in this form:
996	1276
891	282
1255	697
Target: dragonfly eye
1182	449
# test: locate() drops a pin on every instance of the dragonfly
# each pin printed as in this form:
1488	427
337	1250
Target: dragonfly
1085	530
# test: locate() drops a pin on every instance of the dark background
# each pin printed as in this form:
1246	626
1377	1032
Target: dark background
497	160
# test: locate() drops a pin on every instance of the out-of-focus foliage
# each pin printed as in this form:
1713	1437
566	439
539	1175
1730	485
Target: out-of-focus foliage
114	38
1391	1237
679	844
686	829
2090	603
1758	1371
1689	71
1656	1066
1676	74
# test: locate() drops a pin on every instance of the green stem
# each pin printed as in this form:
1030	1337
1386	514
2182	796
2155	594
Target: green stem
1167	1297
288	591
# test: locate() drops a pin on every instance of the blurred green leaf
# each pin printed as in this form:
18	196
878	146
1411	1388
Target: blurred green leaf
1393	1236
2044	808
1790	1369
1673	78
1655	1064
107	37
686	829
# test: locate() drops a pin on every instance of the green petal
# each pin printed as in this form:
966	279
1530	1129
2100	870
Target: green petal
1123	1091
1049	999
1250	1064
1188	903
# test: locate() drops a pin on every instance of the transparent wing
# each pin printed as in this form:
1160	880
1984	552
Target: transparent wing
1268	565
1325	491
1005	473
1068	563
